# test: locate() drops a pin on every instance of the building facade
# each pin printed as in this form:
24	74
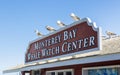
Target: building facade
77	49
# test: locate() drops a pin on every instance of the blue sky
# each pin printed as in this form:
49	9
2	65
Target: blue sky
19	19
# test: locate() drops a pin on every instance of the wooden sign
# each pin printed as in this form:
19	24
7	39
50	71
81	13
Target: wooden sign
80	36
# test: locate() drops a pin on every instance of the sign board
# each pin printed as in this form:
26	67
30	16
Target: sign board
80	36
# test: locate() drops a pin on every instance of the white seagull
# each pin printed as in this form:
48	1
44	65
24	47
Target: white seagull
76	18
61	24
110	34
38	33
50	28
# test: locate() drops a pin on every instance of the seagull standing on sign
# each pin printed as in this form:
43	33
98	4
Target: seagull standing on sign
38	33
50	28
61	24
74	17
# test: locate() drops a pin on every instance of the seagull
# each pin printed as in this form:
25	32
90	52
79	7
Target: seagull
110	33
50	28
76	18
61	24
38	33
